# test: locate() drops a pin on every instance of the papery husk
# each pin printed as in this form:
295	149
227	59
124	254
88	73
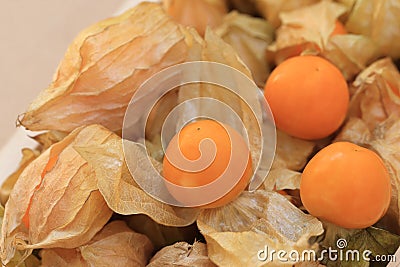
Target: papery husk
198	14
56	202
49	138
115	245
161	235
28	155
119	189
237	231
18	260
291	153
351	53
385	140
378	20
271	9
250	37
104	66
308	30
373	93
182	254
281	179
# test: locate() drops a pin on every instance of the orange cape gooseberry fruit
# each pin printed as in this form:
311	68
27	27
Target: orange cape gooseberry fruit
346	185
308	97
210	150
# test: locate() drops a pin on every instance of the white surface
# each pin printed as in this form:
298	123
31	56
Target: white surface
10	153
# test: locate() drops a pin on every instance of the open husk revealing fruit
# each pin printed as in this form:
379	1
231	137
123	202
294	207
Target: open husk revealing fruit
314	30
55	201
104	66
120	190
236	232
374	122
115	245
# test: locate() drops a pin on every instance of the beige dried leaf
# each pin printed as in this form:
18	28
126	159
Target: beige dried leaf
271	9
351	53
291	153
114	245
281	179
309	30
56	202
46	139
104	66
236	232
250	37
18	259
376	93
28	155
182	254
120	190
62	257
379	20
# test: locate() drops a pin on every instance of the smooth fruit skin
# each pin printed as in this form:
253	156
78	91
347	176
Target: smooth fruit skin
347	185
308	97
190	138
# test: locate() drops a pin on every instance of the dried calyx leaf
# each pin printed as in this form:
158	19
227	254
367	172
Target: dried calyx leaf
104	66
379	242
18	259
236	232
182	254
161	235
28	155
120	190
115	245
291	153
199	14
378	20
376	93
56	202
250	38
312	30
281	179
46	139
271	9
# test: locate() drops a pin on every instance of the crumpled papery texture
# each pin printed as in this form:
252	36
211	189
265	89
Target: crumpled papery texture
250	37
374	122
236	232
379	20
55	201
182	254
270	9
376	93
308	30
114	245
291	153
18	260
104	66
28	155
120	190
